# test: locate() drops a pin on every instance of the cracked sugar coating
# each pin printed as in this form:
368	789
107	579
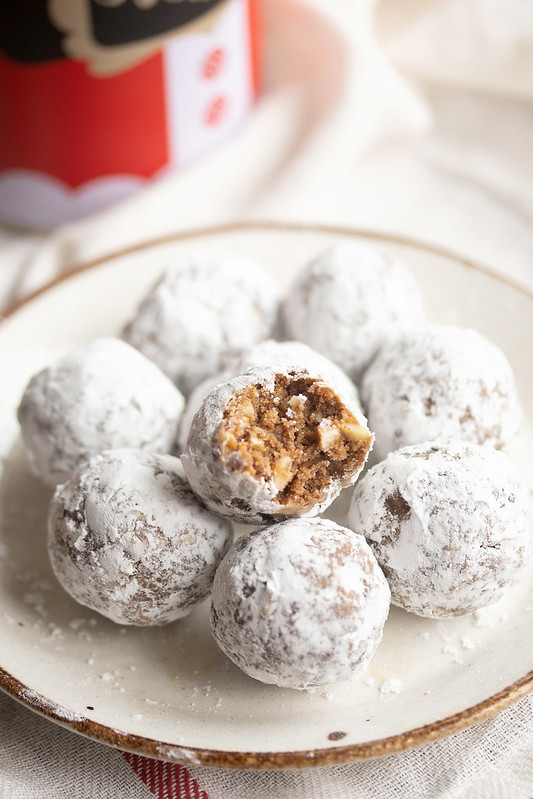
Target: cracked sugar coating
104	395
271	444
277	354
349	301
206	309
299	604
448	524
129	539
441	382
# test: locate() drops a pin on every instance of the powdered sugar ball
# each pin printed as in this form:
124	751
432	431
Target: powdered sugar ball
274	443
349	301
300	604
441	382
208	307
284	354
102	395
129	539
448	524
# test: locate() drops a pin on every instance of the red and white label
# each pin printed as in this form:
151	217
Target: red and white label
72	143
208	79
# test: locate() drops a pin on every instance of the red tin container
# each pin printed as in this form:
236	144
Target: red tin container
97	97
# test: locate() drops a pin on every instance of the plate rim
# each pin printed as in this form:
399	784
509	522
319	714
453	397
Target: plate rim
264	225
263	760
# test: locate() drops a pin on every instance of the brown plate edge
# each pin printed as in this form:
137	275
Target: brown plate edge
260	225
337	755
265	760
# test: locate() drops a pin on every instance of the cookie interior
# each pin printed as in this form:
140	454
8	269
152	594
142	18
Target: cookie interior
300	435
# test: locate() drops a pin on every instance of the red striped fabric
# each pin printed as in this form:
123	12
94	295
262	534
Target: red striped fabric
165	780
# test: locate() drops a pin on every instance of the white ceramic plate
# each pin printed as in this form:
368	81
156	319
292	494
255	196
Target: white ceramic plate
169	692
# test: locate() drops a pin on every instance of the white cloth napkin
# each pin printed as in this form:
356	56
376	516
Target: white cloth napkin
406	116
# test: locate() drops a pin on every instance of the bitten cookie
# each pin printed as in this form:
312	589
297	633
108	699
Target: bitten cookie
283	354
206	309
448	524
129	539
103	395
274	443
299	604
